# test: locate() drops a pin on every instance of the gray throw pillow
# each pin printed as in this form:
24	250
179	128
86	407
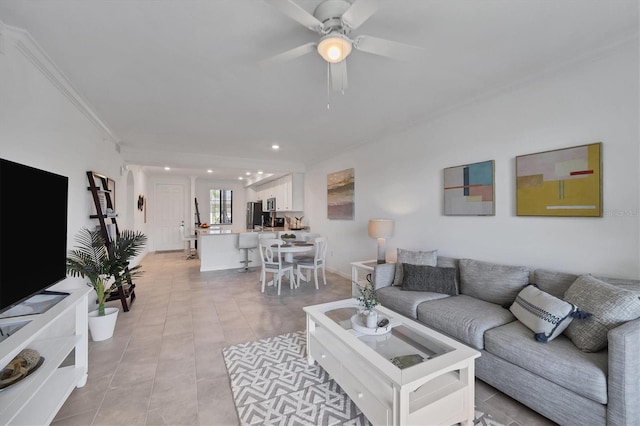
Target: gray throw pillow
492	282
429	258
609	306
546	315
430	278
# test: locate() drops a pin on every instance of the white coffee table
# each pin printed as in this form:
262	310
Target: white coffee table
438	390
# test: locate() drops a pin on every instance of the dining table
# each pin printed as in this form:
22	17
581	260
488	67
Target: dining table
289	249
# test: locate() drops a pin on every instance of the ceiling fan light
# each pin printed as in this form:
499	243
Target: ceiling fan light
334	48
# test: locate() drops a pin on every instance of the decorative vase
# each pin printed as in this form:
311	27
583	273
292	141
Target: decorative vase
372	319
102	327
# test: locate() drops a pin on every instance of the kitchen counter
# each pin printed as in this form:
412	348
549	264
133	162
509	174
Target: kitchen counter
218	249
280	228
209	231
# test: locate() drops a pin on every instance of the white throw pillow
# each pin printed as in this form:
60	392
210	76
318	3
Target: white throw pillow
543	313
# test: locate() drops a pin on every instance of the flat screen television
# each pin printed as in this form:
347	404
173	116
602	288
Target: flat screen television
33	231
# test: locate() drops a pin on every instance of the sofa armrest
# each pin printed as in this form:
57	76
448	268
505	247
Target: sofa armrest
624	374
383	275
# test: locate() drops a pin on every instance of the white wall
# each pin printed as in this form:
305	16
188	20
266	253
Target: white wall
400	177
238	206
45	124
201	188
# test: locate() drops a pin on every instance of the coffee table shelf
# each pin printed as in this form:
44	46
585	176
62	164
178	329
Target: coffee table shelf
438	390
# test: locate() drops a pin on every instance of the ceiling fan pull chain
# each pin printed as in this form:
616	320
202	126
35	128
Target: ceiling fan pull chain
328	84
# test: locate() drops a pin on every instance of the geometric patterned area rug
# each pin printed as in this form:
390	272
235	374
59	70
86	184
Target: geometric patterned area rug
273	384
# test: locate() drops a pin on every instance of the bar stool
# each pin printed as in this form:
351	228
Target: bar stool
246	242
188	238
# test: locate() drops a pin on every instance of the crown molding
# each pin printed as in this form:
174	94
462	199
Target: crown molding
22	41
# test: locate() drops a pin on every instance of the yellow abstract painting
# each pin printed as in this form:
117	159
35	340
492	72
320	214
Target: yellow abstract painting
563	182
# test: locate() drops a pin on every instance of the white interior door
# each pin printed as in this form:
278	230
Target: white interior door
170	205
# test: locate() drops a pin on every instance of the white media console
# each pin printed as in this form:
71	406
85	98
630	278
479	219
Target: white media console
60	335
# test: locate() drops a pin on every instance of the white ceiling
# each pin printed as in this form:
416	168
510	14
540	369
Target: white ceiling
180	84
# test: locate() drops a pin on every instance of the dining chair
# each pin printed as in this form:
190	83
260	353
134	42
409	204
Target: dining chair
272	263
188	238
316	262
308	237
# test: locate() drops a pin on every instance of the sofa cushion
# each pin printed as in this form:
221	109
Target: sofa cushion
430	278
463	317
609	307
448	262
553	282
559	361
633	285
383	275
405	302
492	282
543	313
429	258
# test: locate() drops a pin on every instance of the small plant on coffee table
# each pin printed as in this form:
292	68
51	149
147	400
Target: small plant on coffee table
367	297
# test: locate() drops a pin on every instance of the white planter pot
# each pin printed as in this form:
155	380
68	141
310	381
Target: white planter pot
372	319
102	327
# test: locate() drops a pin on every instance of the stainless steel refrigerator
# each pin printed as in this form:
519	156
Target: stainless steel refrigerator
254	214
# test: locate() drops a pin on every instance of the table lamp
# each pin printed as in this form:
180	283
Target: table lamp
381	229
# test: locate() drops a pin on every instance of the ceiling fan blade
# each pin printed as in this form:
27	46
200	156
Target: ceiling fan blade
359	12
290	54
338	73
298	14
383	47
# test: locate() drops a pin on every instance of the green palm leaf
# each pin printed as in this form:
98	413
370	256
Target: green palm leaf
99	262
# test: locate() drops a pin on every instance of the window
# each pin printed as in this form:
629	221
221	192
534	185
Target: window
221	200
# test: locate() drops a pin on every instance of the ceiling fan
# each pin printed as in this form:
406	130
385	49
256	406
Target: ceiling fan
334	20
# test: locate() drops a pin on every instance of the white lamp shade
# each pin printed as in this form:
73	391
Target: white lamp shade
380	228
334	47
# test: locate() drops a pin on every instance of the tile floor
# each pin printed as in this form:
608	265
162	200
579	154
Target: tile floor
164	365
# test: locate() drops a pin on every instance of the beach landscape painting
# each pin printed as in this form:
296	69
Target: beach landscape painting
340	194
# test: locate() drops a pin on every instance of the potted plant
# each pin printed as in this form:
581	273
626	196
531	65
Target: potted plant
368	301
288	238
106	268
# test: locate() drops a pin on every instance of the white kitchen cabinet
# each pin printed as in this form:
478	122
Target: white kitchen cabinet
60	336
285	194
297	192
262	197
288	192
278	194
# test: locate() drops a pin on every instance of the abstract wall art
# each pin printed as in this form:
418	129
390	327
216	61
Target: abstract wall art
469	190
563	182
340	195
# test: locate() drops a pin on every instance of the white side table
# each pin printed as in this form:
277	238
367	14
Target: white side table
359	272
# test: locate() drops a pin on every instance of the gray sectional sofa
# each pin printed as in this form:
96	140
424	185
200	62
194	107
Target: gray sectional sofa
556	379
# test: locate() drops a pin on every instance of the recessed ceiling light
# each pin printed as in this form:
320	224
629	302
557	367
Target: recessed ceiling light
240	178
209	171
248	173
259	172
167	168
275	146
